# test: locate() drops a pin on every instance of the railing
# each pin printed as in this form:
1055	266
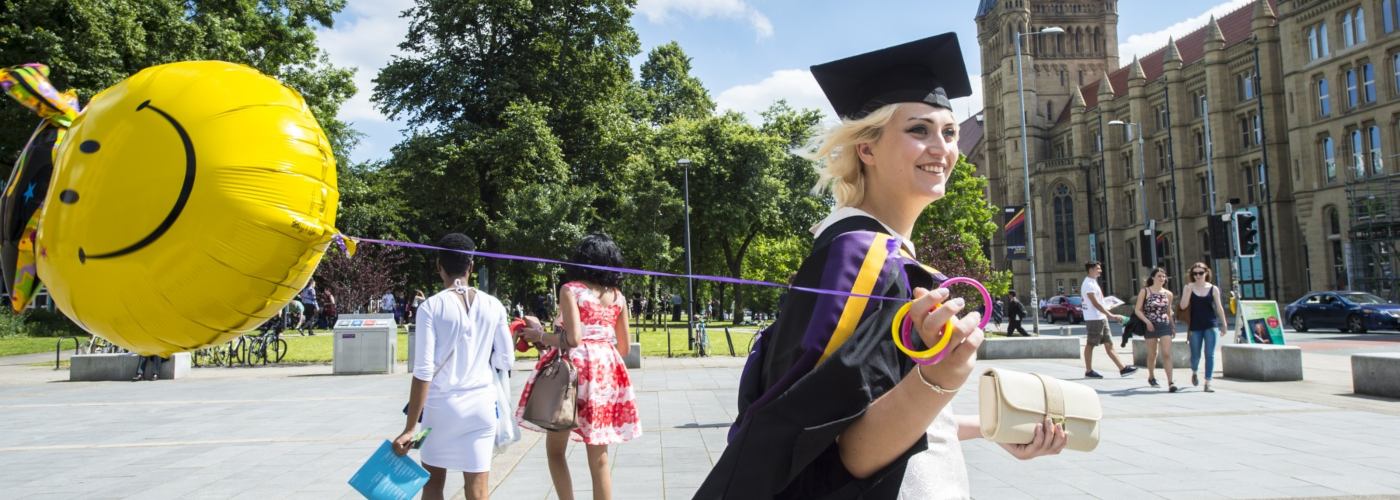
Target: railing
58	347
1059	163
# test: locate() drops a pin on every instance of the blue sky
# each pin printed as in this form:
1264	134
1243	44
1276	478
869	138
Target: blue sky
750	53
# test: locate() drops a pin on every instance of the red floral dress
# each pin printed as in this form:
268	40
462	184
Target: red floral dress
607	406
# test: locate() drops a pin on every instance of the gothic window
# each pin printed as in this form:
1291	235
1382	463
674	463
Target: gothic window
1329	159
1376	157
1358	152
1324	100
1064	224
1334	240
1368	82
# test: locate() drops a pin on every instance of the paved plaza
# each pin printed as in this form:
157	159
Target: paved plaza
300	432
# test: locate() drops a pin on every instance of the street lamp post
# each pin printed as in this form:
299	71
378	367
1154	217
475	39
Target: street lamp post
1135	129
1026	170
689	282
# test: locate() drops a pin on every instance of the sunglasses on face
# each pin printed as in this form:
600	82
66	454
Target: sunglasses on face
1198	273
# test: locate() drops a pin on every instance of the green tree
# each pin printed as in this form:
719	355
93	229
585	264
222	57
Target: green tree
745	183
670	89
92	45
517	110
953	233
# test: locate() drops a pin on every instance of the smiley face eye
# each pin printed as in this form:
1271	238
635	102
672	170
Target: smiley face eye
68	196
89	146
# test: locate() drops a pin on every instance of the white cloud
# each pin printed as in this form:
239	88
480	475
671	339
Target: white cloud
365	40
795	85
660	11
1142	44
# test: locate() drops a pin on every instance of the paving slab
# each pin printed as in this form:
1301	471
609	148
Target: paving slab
298	432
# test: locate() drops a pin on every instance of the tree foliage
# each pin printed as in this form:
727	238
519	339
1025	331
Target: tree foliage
92	45
670	89
954	232
367	275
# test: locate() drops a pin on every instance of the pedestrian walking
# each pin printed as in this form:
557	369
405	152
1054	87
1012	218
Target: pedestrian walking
1015	312
463	339
1154	307
1096	318
310	307
1201	300
595	336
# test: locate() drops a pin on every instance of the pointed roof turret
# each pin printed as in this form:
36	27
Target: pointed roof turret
1105	88
1173	53
1076	98
1213	33
1136	73
1263	11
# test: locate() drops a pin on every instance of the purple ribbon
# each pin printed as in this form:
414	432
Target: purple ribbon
625	270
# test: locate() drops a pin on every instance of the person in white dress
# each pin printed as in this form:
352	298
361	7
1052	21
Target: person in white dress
463	338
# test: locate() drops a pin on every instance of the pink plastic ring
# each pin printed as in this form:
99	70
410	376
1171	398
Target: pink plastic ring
986	315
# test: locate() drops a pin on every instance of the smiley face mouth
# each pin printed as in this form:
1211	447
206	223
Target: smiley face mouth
174	214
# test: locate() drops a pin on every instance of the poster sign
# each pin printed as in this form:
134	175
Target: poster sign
1015	227
1262	323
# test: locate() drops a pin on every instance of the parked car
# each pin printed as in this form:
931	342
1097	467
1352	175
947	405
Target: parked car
1348	311
1069	309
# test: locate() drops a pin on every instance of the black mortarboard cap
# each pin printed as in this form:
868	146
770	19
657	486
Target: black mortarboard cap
930	71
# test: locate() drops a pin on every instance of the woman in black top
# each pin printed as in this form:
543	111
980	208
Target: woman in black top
1203	300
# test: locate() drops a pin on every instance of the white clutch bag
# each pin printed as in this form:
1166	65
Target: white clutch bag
1012	404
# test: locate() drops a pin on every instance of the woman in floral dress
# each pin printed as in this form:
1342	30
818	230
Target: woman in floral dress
1154	308
595	329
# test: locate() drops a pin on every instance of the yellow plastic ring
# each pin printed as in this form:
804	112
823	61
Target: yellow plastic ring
901	325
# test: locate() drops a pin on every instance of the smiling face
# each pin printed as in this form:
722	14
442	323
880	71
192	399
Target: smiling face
914	156
189	202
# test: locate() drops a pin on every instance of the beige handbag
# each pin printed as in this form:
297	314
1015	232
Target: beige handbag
553	401
1013	404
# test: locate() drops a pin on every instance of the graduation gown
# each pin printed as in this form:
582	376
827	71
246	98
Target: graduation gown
818	368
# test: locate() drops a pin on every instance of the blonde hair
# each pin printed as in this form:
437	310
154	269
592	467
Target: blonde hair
839	165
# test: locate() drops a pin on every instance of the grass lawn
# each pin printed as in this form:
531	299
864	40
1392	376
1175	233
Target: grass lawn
318	349
11	346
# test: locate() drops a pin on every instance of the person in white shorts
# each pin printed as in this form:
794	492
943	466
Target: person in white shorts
463	336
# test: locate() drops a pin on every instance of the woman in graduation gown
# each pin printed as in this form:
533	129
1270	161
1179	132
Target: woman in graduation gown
828	406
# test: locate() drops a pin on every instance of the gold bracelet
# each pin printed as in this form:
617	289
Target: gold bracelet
932	386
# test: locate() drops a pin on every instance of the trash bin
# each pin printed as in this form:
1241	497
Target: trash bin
364	343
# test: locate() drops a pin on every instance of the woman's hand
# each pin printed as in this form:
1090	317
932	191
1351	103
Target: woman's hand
403	443
1050	439
1150	328
953	370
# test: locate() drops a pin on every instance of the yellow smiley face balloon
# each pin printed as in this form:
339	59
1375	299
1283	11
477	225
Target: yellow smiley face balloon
188	204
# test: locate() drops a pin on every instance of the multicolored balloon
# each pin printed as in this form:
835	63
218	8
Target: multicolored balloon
187	204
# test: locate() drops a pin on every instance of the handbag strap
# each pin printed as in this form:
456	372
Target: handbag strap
1054	398
462	292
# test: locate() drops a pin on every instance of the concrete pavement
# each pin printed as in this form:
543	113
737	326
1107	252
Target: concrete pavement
298	432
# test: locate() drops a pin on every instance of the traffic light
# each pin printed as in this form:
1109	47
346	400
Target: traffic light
1247	233
1145	247
1219	236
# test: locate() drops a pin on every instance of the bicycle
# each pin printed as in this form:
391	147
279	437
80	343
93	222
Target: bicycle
209	356
269	346
99	345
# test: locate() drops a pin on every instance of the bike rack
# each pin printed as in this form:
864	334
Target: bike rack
730	340
57	350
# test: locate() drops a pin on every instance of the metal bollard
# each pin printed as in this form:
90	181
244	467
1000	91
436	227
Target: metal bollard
57	348
730	340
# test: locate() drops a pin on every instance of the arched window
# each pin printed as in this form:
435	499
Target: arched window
1064	224
1329	159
